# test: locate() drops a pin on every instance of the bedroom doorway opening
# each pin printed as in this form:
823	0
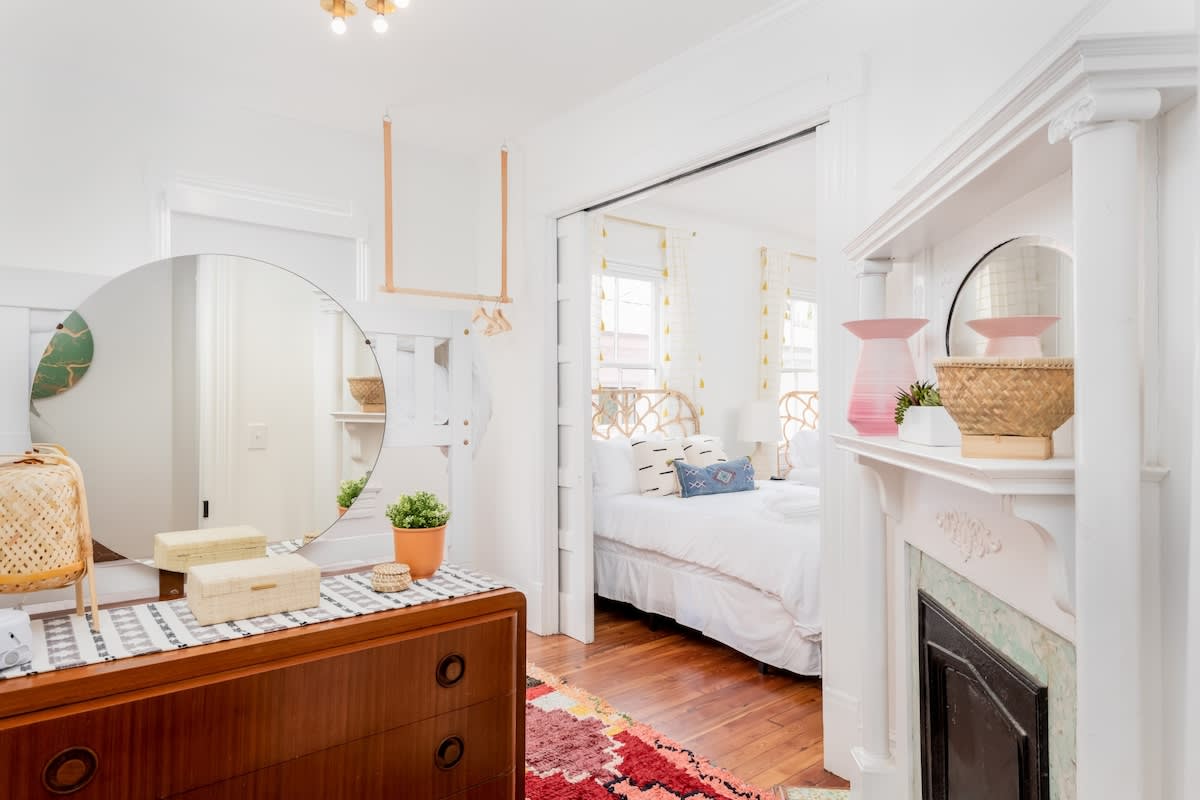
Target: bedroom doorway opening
687	370
689	310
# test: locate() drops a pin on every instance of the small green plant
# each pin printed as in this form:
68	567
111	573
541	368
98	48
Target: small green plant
350	490
419	510
920	393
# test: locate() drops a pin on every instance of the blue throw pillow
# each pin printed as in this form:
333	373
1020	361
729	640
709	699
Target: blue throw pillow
720	478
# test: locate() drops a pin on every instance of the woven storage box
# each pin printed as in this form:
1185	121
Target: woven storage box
252	588
177	551
45	537
368	392
391	577
1007	397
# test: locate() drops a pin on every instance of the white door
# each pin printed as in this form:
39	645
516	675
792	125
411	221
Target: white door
576	579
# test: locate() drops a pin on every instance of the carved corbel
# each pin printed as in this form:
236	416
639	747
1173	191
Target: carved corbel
1054	521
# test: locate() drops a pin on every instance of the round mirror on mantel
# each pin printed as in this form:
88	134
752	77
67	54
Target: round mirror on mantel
214	393
1016	301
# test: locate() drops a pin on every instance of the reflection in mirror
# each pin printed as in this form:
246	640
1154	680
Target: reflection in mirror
1016	300
212	399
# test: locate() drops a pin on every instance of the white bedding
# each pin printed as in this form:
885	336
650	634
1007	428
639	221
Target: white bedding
733	535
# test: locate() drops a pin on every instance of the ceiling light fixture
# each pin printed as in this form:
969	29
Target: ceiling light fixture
339	10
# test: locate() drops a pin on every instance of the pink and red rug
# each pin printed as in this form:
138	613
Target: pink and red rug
578	747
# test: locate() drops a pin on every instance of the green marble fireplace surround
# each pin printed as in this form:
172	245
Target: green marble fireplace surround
1043	654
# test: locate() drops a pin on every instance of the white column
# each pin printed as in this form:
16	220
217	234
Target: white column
874	755
14	379
872	289
1106	193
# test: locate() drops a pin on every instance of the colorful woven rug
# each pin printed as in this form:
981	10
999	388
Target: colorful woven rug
578	747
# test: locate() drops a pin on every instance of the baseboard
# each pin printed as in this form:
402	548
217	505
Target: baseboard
840	713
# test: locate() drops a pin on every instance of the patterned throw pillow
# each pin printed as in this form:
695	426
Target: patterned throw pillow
720	478
655	460
701	451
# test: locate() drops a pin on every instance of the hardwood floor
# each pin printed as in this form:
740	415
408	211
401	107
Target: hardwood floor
766	729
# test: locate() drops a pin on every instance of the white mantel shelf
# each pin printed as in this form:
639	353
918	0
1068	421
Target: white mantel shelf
1055	476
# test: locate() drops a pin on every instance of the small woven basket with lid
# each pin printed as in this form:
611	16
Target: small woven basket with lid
390	577
1007	396
368	392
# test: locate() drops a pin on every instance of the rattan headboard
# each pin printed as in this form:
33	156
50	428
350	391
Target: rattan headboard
642	412
798	411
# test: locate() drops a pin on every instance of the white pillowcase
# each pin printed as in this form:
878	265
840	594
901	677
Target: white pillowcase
655	461
613	469
703	451
804	451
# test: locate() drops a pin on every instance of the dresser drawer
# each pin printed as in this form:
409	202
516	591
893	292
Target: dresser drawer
178	737
436	758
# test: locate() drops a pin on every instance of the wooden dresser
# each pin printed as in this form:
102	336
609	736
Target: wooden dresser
420	703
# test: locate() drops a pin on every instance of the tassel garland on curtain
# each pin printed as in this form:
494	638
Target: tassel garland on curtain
774	269
682	366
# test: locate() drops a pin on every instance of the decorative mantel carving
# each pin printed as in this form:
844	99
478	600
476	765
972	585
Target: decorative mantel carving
1098	107
972	538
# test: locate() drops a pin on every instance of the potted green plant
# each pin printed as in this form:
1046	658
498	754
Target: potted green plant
419	532
349	492
922	419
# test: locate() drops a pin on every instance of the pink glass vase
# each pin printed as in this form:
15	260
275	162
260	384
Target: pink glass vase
1013	337
885	366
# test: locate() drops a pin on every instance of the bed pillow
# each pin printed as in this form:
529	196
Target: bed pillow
655	461
613	468
702	451
720	478
804	453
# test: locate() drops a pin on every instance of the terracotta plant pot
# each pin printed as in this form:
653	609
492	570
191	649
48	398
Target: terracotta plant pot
421	548
342	511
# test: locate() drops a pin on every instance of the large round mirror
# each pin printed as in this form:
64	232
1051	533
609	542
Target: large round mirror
211	392
1015	301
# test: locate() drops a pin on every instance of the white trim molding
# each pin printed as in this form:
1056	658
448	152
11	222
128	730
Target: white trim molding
1003	157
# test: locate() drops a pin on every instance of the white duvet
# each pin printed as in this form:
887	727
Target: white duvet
735	535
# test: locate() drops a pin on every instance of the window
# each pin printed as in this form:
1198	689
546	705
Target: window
798	371
629	343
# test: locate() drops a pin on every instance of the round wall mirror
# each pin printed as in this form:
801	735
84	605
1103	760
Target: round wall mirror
214	395
1016	301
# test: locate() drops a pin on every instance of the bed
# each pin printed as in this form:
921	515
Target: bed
741	568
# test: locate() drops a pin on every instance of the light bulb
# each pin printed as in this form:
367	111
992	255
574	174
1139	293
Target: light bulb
339	25
380	23
402	3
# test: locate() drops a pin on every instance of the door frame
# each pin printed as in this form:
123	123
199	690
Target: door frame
670	173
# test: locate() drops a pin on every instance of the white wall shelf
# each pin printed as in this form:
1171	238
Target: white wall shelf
360	417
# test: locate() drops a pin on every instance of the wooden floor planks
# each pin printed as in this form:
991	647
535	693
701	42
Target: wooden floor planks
766	729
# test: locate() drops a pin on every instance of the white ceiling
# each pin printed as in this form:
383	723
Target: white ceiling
461	73
774	191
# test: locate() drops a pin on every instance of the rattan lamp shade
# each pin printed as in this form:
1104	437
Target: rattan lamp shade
45	537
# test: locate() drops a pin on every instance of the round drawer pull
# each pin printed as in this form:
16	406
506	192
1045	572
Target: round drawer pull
70	770
449	752
451	670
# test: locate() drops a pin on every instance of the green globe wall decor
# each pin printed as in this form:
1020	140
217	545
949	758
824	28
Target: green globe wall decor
66	359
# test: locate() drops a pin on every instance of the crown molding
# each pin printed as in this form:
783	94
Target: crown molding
1004	153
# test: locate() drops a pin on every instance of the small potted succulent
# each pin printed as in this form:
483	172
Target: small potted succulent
419	532
922	419
349	492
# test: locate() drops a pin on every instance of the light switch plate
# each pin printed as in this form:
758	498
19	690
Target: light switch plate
257	438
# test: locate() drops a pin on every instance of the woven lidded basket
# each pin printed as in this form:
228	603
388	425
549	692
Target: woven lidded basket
390	577
1007	396
45	541
367	392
